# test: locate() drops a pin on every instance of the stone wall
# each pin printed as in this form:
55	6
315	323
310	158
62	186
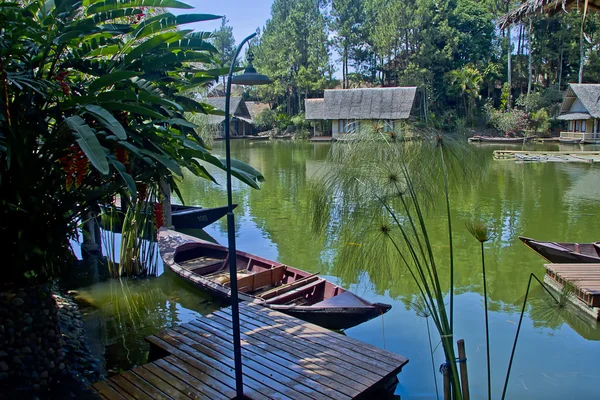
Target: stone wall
31	353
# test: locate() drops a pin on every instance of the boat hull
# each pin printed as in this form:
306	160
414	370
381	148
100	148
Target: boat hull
340	311
190	217
489	139
560	253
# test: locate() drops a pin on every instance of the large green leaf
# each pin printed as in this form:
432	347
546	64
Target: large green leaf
110	5
151	43
107	120
110	79
162	22
190	44
127	178
132	108
154	63
168	162
89	143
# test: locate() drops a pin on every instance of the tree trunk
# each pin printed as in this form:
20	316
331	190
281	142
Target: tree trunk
581	39
509	67
529	69
560	68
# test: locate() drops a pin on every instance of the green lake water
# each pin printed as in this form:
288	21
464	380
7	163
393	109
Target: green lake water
556	356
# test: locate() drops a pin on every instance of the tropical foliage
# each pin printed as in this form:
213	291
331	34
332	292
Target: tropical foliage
93	105
452	50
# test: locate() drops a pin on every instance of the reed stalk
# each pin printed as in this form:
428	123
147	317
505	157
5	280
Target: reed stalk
514	347
482	233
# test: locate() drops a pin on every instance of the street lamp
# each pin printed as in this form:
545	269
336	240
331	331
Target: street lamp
249	77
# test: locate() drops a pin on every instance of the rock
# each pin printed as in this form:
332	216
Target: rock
3	366
44	375
51	364
26	350
3	354
61	366
17	360
18	302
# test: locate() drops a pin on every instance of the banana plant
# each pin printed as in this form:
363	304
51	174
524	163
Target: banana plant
92	103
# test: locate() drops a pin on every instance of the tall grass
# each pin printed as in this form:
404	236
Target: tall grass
388	183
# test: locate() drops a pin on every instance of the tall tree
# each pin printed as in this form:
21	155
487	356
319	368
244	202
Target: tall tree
347	17
294	52
224	42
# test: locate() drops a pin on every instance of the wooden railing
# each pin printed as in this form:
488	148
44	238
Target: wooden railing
579	135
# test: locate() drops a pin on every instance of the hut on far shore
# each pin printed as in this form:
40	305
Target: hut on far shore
347	108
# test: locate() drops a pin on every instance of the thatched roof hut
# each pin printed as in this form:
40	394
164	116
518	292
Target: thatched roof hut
588	95
362	104
237	109
548	7
255	108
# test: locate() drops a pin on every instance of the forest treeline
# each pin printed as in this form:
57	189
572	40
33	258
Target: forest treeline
452	50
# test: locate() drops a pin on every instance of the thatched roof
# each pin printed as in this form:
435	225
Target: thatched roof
237	108
548	7
255	108
588	94
314	108
373	103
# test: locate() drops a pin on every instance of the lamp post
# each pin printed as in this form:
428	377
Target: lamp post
249	77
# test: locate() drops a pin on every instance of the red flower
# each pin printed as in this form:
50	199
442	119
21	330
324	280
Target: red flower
159	219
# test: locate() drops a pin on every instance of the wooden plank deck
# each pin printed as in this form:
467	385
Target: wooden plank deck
585	279
548	156
283	358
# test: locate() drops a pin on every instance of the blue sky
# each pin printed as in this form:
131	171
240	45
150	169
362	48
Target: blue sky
243	15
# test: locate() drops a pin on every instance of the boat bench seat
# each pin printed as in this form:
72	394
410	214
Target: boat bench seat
203	265
295	293
256	281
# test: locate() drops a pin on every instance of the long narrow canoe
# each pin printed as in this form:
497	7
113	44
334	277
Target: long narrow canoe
559	252
494	139
192	217
269	283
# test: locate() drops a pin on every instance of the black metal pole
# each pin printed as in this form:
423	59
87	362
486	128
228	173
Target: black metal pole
235	311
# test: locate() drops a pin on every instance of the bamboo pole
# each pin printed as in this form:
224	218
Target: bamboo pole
464	377
447	390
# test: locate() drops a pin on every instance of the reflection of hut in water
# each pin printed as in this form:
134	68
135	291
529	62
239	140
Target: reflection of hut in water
316	169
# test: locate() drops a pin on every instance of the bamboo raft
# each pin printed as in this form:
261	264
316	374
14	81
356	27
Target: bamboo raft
548	156
585	279
282	357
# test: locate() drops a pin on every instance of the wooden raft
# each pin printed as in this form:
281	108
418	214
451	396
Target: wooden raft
585	278
283	358
548	156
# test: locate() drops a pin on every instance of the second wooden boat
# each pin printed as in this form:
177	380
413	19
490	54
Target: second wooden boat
274	285
564	252
569	141
192	217
505	140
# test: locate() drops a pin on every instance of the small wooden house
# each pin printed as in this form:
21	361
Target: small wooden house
581	108
241	123
348	108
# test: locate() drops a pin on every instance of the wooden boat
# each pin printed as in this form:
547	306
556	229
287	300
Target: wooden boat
266	137
505	140
569	141
269	283
557	252
192	217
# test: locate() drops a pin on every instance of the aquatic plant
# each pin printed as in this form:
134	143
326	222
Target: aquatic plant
482	233
389	182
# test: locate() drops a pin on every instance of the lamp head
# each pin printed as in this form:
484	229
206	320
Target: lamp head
250	77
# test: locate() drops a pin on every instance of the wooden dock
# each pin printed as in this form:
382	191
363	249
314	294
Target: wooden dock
283	358
322	139
585	279
548	156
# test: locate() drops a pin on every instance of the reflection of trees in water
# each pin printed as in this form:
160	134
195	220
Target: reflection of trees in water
516	199
129	310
